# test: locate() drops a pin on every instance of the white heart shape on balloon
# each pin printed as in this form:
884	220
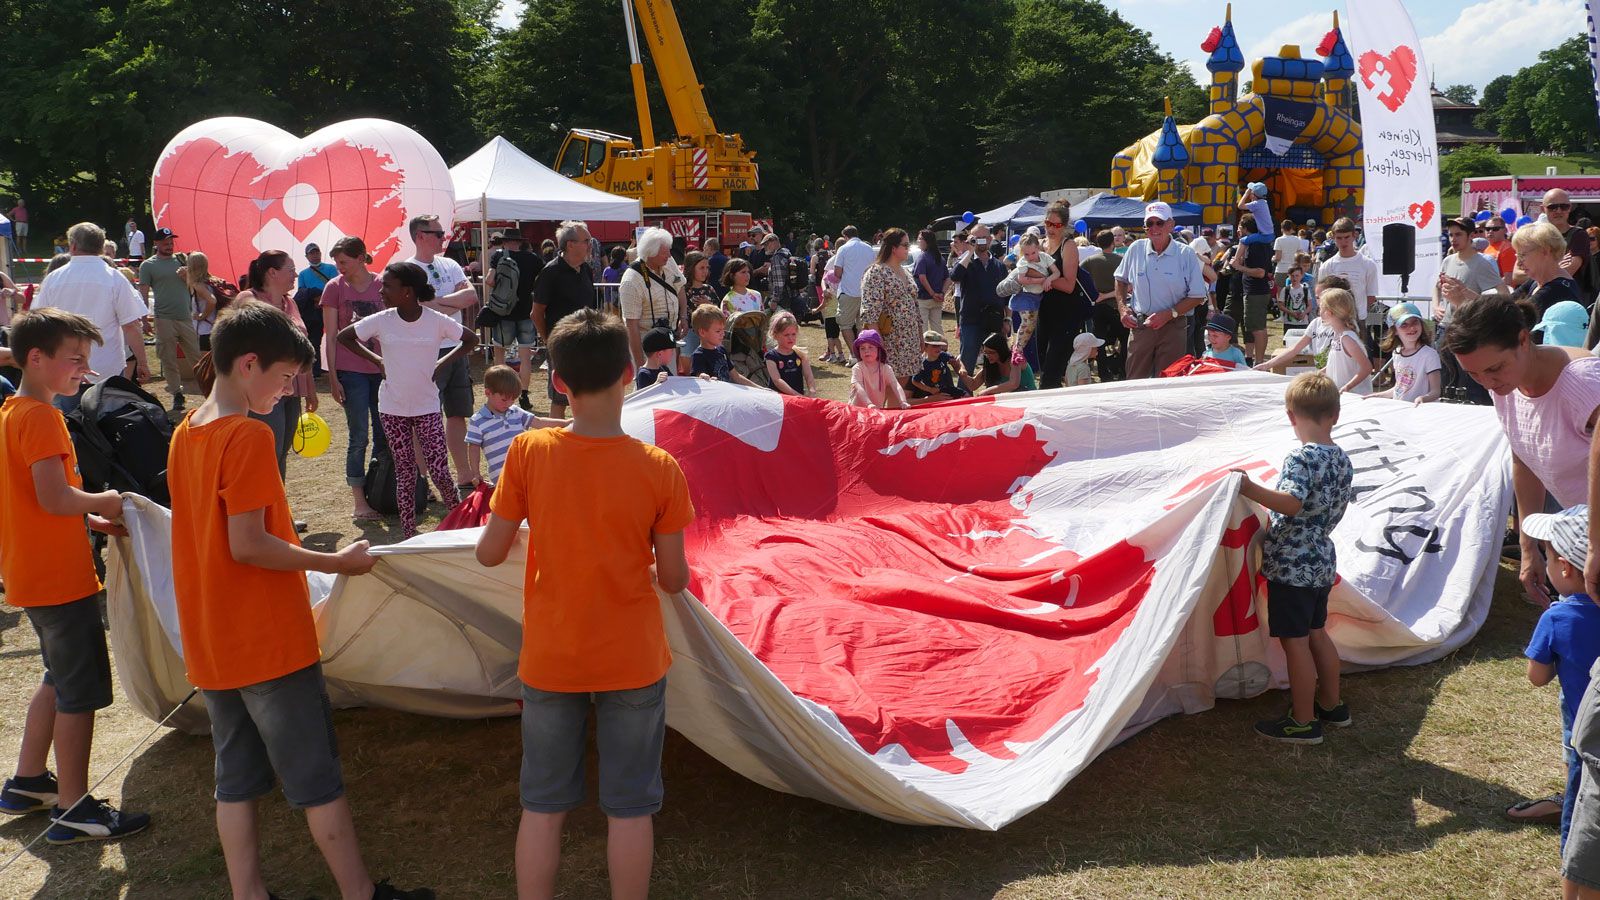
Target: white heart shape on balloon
234	187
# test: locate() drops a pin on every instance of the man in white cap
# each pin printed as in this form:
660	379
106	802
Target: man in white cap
1159	283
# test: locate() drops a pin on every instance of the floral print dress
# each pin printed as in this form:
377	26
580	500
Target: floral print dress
887	289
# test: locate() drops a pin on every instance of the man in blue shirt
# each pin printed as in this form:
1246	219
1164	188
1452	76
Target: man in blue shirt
1159	283
983	311
308	297
718	259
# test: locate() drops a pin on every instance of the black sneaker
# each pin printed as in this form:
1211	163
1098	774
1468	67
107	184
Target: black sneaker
93	820
177	402
22	796
1289	731
1338	717
383	890
525	401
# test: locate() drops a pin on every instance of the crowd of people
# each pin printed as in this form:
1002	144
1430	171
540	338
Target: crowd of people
1050	306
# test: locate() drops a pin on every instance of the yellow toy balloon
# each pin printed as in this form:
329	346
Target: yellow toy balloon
311	436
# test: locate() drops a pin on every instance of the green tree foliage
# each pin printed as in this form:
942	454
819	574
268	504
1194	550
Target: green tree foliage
1475	161
97	89
1549	104
880	110
1465	94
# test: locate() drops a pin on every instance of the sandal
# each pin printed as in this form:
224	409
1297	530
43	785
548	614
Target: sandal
370	516
1522	812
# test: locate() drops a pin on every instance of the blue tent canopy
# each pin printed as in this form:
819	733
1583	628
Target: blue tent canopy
1105	210
1017	214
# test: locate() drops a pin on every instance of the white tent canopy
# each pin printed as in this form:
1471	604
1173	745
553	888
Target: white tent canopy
500	182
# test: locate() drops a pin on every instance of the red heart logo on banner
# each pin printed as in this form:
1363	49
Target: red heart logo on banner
1391	77
1421	213
233	187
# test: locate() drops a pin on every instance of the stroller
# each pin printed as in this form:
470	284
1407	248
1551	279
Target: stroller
747	346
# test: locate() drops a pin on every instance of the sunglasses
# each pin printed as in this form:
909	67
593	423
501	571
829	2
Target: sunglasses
1558	206
1497	228
434	233
1153	223
1055	225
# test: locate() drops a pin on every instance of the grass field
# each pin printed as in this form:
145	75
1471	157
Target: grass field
1406	803
1528	164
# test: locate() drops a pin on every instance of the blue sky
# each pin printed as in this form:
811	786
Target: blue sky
1468	41
1464	41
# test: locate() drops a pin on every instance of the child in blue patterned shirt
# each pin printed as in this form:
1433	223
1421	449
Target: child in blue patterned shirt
491	429
1297	558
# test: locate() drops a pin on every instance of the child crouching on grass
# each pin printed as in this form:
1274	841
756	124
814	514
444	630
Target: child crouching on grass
48	568
244	609
1298	559
592	628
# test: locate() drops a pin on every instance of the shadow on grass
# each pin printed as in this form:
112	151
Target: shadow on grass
436	803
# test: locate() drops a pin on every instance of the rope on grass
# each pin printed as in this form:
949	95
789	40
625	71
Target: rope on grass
92	788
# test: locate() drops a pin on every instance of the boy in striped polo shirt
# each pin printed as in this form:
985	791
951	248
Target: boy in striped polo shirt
490	430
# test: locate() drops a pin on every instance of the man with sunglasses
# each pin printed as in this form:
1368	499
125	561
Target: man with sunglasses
452	293
1158	283
1558	209
1500	251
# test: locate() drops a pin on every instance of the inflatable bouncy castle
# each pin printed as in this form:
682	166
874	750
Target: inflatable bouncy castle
1293	130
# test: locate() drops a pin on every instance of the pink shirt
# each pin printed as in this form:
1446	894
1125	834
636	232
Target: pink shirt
883	391
1550	433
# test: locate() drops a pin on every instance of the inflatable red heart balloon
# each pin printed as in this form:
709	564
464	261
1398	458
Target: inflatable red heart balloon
233	187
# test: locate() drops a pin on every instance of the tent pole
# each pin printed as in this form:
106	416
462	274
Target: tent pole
483	248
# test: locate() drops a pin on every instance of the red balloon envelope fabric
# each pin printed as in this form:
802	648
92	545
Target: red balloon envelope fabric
234	187
938	616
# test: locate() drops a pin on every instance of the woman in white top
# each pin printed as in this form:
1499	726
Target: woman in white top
651	292
196	273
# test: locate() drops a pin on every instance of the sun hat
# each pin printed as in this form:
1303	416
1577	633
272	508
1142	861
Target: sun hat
934	339
1082	344
869	336
1565	324
1567	531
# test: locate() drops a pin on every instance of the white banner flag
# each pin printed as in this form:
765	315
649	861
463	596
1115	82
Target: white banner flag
1402	152
1594	50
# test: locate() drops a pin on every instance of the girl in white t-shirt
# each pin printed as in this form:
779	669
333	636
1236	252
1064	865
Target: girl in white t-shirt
196	275
739	299
1347	364
1417	378
408	400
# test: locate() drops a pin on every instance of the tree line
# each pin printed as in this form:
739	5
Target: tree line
874	110
1549	104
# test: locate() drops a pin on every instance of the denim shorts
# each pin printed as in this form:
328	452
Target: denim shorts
515	333
630	728
283	726
73	643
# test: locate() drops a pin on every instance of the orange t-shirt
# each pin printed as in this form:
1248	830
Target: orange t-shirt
1505	257
591	620
241	625
46	560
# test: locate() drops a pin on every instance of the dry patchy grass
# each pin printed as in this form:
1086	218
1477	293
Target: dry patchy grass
1408	802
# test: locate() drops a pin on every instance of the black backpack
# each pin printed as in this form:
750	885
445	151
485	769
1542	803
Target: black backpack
121	434
380	486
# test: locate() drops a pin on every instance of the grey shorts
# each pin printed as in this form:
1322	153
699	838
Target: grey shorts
849	311
283	727
630	728
455	387
73	643
1580	861
515	333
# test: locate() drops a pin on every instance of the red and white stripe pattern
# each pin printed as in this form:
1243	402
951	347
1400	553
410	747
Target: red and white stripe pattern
702	169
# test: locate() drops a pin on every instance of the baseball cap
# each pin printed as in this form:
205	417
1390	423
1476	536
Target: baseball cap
1567	531
657	339
163	234
1258	188
1208	231
745	245
313	248
771	236
934	339
1403	312
1158	210
1221	322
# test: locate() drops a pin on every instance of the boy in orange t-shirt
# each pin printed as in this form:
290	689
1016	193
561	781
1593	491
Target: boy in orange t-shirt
592	633
48	568
244	609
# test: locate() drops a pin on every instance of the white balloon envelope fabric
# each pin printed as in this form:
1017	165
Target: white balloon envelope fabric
937	616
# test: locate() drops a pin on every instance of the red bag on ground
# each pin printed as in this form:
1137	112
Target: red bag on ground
471	512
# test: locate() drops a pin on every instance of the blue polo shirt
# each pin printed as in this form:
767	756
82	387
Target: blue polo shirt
1161	280
1568	637
310	281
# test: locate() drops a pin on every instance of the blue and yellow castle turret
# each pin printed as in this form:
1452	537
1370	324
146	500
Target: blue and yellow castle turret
1224	64
1170	159
1314	166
